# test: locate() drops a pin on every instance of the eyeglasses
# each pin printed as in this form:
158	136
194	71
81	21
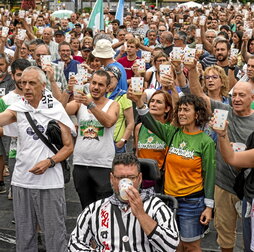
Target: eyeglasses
214	77
161	61
39	55
131	177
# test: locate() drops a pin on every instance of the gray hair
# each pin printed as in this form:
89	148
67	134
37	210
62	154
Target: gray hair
45	47
168	36
41	75
51	30
99	36
183	36
151	30
211	30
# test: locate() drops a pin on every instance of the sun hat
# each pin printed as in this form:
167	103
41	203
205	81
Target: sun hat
103	49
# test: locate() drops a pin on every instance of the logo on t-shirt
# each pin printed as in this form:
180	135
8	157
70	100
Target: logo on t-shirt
181	151
31	132
91	129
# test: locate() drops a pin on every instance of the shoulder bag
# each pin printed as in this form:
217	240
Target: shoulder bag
57	137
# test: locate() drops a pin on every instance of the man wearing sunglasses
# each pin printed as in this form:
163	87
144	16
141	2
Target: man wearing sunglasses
140	222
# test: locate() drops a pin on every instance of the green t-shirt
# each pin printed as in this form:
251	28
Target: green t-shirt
252	105
124	103
5	102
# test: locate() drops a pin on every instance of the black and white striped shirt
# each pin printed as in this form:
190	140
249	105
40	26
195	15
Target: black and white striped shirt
98	221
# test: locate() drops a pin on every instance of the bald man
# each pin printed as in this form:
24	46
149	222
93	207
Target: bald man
241	122
47	37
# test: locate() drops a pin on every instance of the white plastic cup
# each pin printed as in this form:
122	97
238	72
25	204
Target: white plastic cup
124	185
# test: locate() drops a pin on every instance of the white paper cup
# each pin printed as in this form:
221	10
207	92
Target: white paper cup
238	147
78	88
61	64
137	84
124	185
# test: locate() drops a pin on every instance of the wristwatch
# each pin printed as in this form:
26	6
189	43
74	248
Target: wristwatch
52	162
124	140
231	68
91	105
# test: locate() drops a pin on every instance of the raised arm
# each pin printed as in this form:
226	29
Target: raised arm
163	131
244	48
107	119
7	117
195	86
244	159
207	45
231	72
160	228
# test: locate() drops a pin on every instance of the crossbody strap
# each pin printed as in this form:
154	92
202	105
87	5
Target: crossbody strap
39	134
123	234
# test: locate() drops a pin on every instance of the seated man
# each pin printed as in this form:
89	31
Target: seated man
150	223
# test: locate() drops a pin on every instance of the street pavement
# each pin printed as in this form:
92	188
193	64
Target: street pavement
7	229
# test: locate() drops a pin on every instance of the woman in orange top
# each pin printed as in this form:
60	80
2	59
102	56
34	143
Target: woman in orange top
148	145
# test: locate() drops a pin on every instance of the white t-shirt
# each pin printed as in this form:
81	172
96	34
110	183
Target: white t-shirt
95	143
30	149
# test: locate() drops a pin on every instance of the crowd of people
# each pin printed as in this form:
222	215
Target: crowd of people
149	86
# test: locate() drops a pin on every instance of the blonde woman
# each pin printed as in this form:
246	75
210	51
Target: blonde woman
216	84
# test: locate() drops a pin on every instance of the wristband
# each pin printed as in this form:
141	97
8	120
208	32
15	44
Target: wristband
231	68
91	105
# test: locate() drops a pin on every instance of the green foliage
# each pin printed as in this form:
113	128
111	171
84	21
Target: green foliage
87	9
10	2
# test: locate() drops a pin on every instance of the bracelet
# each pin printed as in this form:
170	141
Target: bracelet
143	106
178	72
91	105
69	92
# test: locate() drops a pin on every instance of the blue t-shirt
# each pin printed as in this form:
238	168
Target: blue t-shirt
122	83
71	67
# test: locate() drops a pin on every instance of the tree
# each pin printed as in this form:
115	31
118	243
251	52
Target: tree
10	2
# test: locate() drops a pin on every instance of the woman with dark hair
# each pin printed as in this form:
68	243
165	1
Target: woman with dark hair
92	64
237	43
251	46
189	165
152	76
147	144
237	40
88	32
